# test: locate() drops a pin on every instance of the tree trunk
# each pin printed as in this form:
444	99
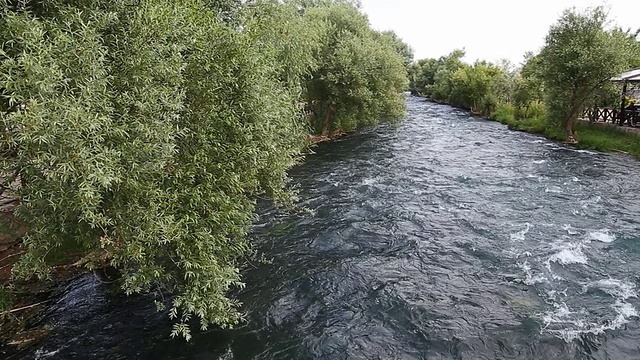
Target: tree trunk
310	116
325	122
623	103
571	139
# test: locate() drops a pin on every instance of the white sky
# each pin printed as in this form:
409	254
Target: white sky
487	29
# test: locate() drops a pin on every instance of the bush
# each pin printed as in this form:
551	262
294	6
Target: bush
535	125
505	113
532	109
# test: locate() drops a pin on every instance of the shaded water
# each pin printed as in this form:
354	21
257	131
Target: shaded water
449	238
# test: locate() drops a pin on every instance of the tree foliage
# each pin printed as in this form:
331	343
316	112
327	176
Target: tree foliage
400	47
139	135
579	57
359	76
432	77
478	87
475	87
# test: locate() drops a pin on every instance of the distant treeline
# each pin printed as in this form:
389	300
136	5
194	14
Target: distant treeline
551	88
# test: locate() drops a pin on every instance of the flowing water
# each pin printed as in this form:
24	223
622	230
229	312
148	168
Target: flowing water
448	238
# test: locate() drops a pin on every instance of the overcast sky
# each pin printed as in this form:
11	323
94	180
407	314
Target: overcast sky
487	29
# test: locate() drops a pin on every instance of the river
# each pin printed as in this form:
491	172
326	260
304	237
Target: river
450	237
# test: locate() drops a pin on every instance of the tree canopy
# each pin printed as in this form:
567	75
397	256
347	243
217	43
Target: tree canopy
359	76
579	57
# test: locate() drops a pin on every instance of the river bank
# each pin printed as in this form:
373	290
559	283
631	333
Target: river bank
590	136
22	304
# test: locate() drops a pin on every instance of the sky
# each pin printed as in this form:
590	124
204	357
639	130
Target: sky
487	29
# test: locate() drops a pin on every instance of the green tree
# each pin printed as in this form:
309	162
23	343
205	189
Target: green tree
447	66
140	137
474	87
400	46
294	37
579	57
505	81
529	83
422	75
360	76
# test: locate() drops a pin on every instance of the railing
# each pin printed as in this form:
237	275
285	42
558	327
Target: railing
616	116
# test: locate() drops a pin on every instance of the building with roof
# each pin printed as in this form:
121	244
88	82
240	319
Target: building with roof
632	76
630	103
629	110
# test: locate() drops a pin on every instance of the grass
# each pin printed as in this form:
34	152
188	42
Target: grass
599	137
605	138
590	136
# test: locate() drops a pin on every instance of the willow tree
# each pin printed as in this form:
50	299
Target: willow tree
138	137
474	87
400	47
293	38
580	55
442	86
359	77
422	75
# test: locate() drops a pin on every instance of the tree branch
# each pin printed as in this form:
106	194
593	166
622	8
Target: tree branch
23	308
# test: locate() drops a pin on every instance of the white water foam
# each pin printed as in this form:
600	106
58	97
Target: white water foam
569	325
570	229
591	202
586	152
568	335
531	279
602	236
520	235
553	190
574	327
618	289
571	254
539	162
570	317
42	354
560	315
625	309
369	182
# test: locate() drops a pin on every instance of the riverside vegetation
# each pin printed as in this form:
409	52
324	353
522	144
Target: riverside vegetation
137	135
551	89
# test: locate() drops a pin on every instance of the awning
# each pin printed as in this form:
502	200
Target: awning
632	76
